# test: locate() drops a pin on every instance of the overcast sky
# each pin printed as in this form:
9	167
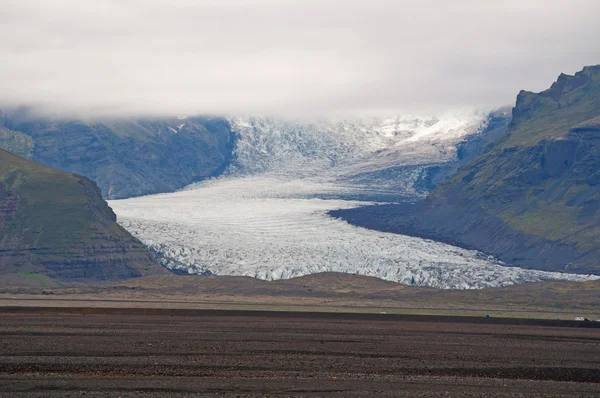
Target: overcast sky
294	57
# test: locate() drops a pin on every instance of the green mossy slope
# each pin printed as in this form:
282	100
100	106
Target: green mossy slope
57	224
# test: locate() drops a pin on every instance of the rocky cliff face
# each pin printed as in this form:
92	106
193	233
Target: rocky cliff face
57	224
126	157
532	199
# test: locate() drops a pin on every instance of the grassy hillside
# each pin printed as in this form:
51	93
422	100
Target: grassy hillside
125	157
543	178
533	198
57	224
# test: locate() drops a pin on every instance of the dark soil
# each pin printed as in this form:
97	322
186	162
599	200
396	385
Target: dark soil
210	353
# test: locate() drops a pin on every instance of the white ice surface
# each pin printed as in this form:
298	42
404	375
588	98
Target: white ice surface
235	227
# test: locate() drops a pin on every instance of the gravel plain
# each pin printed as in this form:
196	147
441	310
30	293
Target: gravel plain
130	353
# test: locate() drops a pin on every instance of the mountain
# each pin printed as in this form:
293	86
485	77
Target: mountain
532	199
125	157
130	157
57	224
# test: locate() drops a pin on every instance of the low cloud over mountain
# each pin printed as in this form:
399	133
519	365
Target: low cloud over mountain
286	57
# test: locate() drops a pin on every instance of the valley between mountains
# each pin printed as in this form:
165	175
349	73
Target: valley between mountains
268	215
466	199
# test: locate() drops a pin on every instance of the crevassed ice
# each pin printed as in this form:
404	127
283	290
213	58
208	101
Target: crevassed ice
267	217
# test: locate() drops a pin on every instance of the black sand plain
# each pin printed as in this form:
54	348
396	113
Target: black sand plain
150	353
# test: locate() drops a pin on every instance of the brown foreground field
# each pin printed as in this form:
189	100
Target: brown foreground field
319	335
327	292
152	353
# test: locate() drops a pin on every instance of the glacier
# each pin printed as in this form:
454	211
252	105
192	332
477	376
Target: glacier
267	216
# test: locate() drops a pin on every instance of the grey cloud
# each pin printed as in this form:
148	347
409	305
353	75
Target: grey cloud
287	57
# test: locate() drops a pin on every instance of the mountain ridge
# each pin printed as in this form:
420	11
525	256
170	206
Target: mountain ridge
532	199
125	157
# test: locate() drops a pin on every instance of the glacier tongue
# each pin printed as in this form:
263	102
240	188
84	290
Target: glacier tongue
267	217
